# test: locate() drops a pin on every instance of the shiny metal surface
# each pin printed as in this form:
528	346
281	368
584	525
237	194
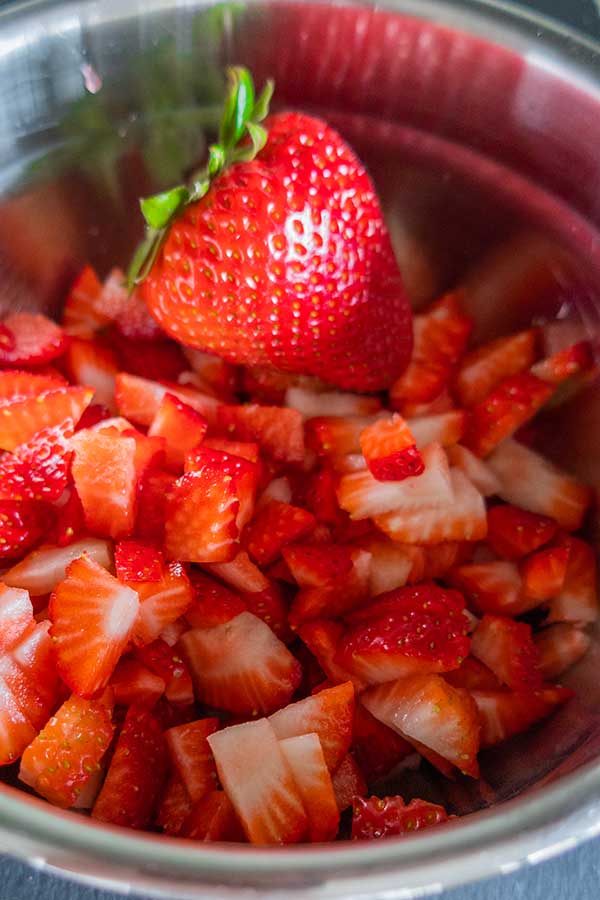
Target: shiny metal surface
480	127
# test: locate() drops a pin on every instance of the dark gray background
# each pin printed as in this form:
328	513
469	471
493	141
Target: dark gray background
574	876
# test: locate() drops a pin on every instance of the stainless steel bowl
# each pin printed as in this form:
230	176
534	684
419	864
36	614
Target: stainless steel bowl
478	123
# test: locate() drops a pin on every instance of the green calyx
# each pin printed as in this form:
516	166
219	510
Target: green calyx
243	113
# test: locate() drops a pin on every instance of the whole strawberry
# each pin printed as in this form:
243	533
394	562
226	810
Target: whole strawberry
278	254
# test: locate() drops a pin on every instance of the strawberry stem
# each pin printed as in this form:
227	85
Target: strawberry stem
242	115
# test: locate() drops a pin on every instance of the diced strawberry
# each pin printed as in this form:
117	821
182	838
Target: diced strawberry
544	573
446	428
70	520
175	807
507	648
441	558
278	489
214	604
16	385
271	606
133	683
16	614
484	368
104	472
82	313
154	490
92	618
506	713
157	359
473	676
348	782
426	709
259	783
275	525
41	571
304	756
390	449
279	432
578	599
20	420
136	773
243	472
319	496
391	564
443	403
440	339
139	399
560	647
67	753
334	436
462	518
192	757
94	365
246	449
476	470
362	495
494	587
329	714
317	565
509	406
407	631
241	573
138	561
174	630
312	403
34	340
39	468
161	602
213	370
200	517
514	533
565	363
213	818
336	597
531	482
181	426
322	637
377	748
241	666
163	661
22	526
375	817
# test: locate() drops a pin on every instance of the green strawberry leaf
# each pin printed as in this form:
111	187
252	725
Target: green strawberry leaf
160	209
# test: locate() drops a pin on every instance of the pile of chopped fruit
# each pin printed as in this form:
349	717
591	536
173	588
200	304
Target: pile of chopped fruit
226	619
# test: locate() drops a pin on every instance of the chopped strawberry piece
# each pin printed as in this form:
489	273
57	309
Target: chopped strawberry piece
157	359
476	470
428	710
317	565
509	406
322	637
507	648
494	587
304	756
407	631
241	666
484	368
375	817
68	752
336	597
246	449
506	713
278	431
154	489
560	647
83	315
578	599
362	495
138	561
348	782
70	519
92	618
181	426
214	604
446	428
334	436
377	748
214	371
41	571
139	399
544	573
104	472
34	340
565	363
192	757
462	518
390	449
531	482
22	526
15	385
514	533
243	472
94	365
200	517
136	773
22	419
320	498
16	614
38	469
213	818
271	606
93	415
163	661
473	676
273	527
329	714
162	602
440	339
133	683
175	807
391	564
329	403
